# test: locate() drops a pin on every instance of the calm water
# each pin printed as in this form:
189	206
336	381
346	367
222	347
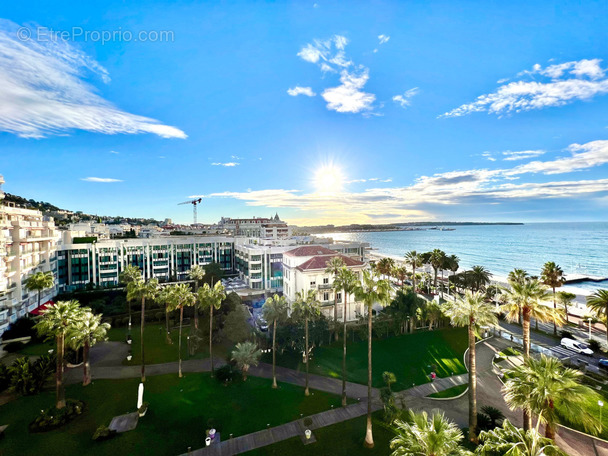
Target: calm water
576	247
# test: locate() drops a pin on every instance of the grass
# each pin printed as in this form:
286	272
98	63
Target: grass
341	439
180	412
37	349
454	391
411	357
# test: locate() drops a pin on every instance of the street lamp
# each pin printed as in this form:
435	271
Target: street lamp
601	404
589	328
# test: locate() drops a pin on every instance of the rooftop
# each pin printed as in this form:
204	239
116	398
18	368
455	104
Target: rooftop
320	262
310	250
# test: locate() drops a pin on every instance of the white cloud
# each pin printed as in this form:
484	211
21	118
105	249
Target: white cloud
383	38
511	155
297	90
114	152
229	164
405	99
324	52
43	92
570	81
104	180
488	156
348	96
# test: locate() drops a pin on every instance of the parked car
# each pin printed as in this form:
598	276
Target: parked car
576	346
603	363
262	324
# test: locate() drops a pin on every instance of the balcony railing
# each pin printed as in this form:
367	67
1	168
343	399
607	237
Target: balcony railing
325	286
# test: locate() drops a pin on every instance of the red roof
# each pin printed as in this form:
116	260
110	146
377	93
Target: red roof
310	250
320	262
38	310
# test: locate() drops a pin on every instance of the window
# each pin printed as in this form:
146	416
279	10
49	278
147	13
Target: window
325	280
339	297
313	283
325	296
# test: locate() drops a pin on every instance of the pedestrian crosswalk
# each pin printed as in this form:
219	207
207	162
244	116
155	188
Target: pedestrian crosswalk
561	352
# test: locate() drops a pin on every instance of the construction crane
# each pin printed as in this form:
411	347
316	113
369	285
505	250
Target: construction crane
194	203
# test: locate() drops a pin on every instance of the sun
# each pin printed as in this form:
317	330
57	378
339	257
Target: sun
328	179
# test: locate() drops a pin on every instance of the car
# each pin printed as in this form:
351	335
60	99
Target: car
262	324
576	346
603	363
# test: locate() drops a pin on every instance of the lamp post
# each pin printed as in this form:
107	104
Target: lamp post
589	328
601	404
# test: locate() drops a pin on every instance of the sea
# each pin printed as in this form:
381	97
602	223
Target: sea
577	247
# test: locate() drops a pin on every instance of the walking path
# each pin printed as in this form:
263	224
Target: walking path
439	384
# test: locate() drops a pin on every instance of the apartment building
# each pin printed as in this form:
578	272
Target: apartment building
258	227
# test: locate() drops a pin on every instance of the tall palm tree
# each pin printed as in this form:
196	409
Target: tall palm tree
346	280
546	388
306	307
130	274
86	332
412	258
472	312
552	276
39	282
179	296
436	259
56	321
400	273
211	297
246	354
370	291
452	263
421	435
385	266
139	289
480	277
527	297
565	298
598	303
518	276
275	310
197	273
332	267
516	442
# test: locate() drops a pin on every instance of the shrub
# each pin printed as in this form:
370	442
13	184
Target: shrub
567	334
103	433
13	347
28	378
22	327
53	418
594	345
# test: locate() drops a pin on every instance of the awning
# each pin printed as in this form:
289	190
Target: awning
41	307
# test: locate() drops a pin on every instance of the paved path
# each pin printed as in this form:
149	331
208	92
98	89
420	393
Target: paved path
439	384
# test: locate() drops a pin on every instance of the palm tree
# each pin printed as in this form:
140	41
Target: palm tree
143	290
552	276
332	267
40	281
385	266
56	321
346	280
526	297
371	291
472	312
436	259
179	296
400	273
306	307
422	435
518	276
413	259
86	332
545	387
275	310
516	442
129	275
564	298
197	273
211	298
598	303
246	354
452	263
480	277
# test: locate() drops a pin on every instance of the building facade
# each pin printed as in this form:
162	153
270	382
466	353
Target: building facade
258	227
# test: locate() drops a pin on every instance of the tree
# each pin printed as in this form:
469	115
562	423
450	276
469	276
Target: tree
236	324
452	263
552	276
39	282
56	321
86	332
129	275
598	303
306	307
414	260
513	441
347	281
436	259
422	435
275	310
527	296
385	266
246	354
178	296
389	378
546	388
472	312
333	267
480	277
139	289
197	273
565	298
371	291
517	276
211	297
400	273
213	272
404	308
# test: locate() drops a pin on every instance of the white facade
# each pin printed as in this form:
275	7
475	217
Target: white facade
259	227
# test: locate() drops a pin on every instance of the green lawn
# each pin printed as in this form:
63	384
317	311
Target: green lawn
180	412
341	439
37	349
450	392
411	357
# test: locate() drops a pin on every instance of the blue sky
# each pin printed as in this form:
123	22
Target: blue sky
327	112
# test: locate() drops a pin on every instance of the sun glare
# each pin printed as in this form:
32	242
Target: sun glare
328	179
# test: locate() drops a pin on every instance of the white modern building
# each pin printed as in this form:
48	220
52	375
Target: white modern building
304	270
27	245
258	227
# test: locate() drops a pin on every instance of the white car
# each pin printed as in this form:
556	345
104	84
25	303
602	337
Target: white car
576	346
